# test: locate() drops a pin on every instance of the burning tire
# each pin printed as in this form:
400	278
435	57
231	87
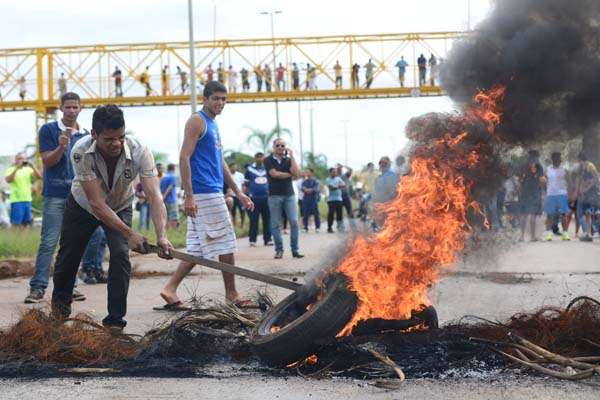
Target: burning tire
299	325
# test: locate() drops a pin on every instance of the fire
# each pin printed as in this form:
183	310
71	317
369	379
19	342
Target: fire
310	360
425	227
275	328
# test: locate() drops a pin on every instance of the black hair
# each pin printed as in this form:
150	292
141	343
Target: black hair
331	170
213	87
259	154
107	117
533	153
69	96
171	167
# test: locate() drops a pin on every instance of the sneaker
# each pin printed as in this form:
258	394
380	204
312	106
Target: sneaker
269	244
34	296
586	238
100	276
87	276
305	230
60	311
252	244
278	254
565	236
317	230
78	296
548	237
297	255
114	330
330	230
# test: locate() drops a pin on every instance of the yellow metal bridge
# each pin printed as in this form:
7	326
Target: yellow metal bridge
33	78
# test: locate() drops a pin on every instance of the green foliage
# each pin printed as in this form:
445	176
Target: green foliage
17	242
318	163
262	140
160	158
237	158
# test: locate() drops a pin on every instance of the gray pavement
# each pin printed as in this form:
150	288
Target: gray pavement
494	285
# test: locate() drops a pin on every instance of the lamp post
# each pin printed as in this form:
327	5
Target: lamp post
194	100
271	14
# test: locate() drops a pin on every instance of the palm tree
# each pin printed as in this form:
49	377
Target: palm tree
263	140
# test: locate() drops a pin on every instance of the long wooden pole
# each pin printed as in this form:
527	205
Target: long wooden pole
257	276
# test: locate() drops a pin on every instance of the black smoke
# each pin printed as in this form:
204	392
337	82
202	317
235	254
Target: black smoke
547	54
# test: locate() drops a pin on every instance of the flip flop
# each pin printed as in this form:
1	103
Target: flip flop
177	306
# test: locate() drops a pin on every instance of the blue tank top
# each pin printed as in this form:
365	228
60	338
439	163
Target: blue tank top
207	161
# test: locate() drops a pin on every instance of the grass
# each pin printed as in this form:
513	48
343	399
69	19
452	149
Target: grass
24	243
17	242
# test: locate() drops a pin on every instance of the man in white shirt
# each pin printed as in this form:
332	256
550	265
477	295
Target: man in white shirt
556	203
239	179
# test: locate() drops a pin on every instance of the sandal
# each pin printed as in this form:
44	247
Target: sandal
177	306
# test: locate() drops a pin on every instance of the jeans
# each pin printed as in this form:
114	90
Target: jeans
77	227
277	205
347	203
310	206
335	207
52	215
144	222
94	252
261	209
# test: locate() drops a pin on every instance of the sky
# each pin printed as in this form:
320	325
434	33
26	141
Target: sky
374	127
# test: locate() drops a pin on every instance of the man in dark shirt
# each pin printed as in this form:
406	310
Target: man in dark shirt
258	189
281	167
310	201
531	178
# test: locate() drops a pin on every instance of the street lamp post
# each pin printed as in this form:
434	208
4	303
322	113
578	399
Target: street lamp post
194	100
273	81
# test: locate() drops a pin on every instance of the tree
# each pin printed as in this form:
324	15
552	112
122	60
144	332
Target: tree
237	158
318	163
262	140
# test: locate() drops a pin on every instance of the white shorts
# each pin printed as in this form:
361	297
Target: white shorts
210	233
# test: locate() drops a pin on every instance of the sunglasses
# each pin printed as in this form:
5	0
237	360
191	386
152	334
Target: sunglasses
280	145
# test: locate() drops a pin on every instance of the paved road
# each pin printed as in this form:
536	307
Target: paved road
493	285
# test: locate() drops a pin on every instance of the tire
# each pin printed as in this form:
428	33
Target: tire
310	331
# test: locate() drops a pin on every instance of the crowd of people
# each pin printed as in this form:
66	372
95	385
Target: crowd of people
91	180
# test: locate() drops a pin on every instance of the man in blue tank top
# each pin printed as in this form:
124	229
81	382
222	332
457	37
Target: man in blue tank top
203	171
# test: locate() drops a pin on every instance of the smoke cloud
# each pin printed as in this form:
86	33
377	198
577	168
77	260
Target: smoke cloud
547	54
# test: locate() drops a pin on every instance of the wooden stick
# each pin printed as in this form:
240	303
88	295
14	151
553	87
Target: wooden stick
561	375
179	255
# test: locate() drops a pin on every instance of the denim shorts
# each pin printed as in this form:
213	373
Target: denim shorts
556	204
172	211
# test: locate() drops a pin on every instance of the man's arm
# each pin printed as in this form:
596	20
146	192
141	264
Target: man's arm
294	165
194	128
36	173
9	178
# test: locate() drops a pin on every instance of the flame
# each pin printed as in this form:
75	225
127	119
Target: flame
310	360
275	328
425	227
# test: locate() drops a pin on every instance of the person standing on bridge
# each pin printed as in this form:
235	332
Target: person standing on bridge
118	76
280	74
258	74
22	88
422	64
232	79
401	65
221	74
245	82
432	69
183	80
210	73
369	67
338	75
165	81
354	76
295	77
145	80
62	85
267	75
203	173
